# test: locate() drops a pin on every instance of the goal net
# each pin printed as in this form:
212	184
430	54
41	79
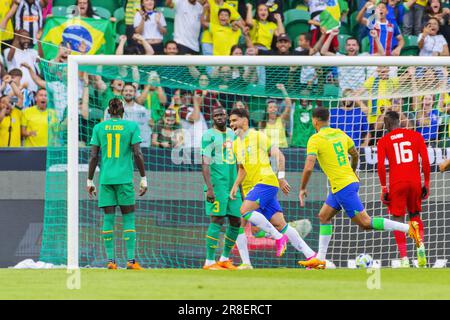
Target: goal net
171	219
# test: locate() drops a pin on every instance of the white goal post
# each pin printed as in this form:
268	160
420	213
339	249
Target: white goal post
75	61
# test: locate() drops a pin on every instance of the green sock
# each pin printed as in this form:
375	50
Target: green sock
108	235
378	223
129	234
230	240
212	239
260	234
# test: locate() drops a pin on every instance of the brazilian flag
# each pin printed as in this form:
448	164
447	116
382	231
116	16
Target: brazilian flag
85	35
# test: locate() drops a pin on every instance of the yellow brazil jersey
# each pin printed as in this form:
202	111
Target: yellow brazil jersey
263	32
252	152
36	120
276	133
131	8
10	128
331	147
5	5
214	17
224	38
379	88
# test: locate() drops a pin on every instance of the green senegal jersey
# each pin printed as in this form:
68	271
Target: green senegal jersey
115	138
218	146
303	128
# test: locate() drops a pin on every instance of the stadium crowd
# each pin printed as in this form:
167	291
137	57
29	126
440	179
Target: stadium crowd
171	117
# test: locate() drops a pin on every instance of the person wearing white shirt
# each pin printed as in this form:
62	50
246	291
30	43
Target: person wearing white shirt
187	25
430	42
151	24
135	112
193	123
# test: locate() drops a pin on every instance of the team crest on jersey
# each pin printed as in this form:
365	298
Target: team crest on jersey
228	144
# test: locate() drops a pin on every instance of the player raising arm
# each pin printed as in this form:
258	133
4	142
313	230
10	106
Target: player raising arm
252	149
331	148
219	172
118	140
402	148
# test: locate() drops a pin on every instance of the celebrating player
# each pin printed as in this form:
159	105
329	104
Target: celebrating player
332	147
252	150
219	172
402	148
118	141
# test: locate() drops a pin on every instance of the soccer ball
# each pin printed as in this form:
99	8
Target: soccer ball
303	227
364	261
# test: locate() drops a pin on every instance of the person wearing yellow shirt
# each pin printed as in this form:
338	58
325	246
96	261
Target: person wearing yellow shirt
262	29
211	16
10	121
332	147
36	121
224	36
413	18
260	206
274	124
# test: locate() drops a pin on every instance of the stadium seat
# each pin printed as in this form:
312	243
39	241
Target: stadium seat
365	45
119	14
63	3
110	5
59	11
342	38
411	47
102	12
354	25
331	91
169	15
296	22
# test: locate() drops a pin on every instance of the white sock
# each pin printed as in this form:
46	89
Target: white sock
298	242
241	243
209	262
261	222
223	259
324	241
391	225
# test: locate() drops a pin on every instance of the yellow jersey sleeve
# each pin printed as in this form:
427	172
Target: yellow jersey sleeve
350	142
312	147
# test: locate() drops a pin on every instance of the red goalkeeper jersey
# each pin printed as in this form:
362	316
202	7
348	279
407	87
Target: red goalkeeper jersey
402	147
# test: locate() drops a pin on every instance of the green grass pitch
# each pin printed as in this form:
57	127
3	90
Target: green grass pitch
233	285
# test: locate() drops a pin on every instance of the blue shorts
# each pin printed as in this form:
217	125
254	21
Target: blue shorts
266	197
347	199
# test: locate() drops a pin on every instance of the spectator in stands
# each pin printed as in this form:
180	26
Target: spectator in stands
114	90
396	10
255	75
10	123
209	99
136	113
405	122
47	9
180	98
427	119
224	35
193	123
154	98
211	16
23	54
6	24
315	8
131	7
351	119
151	24
28	16
171	48
389	32
243	105
274	124
262	28
167	133
274	6
134	47
413	18
435	9
431	43
187	25
36	122
302	128
20	95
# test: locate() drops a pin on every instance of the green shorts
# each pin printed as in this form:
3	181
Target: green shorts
224	205
111	195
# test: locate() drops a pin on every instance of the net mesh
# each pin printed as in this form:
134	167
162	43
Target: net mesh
171	219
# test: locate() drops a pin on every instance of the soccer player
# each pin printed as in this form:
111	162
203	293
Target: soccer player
118	140
260	206
402	148
331	147
219	172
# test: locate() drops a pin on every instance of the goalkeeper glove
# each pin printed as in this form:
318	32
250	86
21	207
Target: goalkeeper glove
425	192
143	186
385	195
91	188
